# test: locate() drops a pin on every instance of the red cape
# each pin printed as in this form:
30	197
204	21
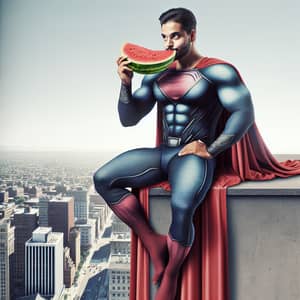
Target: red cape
205	272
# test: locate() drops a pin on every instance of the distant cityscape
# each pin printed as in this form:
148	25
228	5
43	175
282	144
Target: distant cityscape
58	237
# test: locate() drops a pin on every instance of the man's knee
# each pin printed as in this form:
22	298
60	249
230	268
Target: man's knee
182	208
101	180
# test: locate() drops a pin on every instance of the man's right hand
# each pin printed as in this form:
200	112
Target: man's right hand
125	73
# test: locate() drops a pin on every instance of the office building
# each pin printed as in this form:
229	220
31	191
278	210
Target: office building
15	191
43	210
87	233
120	244
3	196
119	277
61	216
96	200
6	252
74	245
119	226
7	210
81	204
69	268
25	222
44	263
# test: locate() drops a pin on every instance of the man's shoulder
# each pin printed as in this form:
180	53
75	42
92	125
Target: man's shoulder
206	61
218	70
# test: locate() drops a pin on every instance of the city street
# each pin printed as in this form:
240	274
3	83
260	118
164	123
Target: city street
94	265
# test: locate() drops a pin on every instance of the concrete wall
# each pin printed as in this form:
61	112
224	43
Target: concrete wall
264	237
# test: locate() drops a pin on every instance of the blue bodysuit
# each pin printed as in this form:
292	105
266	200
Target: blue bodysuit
192	102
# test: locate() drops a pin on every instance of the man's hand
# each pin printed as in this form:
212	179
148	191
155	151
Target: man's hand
124	71
196	147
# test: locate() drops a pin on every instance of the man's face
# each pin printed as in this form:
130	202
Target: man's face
175	38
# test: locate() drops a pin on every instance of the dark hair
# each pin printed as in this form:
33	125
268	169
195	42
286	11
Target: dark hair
180	15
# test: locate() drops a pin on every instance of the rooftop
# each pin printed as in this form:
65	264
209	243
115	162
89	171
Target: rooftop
22	210
119	262
45	235
64	199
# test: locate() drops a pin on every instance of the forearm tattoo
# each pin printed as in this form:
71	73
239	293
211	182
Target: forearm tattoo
125	94
223	142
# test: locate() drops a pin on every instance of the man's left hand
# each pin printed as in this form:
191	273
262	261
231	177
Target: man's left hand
196	147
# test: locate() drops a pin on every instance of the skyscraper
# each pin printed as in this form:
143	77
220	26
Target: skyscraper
25	221
3	196
119	277
44	261
43	210
95	200
6	251
69	268
81	205
7	210
87	233
119	226
120	244
61	216
74	245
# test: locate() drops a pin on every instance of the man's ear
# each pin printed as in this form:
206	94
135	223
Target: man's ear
193	35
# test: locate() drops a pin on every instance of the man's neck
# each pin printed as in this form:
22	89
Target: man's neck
189	61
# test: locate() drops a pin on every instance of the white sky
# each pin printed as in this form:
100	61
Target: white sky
58	80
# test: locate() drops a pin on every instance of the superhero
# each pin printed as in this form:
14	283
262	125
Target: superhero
191	100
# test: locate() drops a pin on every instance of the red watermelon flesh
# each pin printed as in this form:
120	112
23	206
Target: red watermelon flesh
147	61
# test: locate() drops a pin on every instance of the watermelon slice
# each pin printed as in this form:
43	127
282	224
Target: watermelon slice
146	61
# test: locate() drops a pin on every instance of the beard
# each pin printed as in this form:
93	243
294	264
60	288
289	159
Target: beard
181	52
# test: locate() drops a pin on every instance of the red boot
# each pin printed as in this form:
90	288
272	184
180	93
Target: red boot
177	254
131	212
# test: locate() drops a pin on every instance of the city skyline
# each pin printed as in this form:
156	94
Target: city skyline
59	85
49	193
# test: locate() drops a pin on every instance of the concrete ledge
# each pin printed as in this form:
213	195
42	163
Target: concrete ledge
264	247
263	233
275	187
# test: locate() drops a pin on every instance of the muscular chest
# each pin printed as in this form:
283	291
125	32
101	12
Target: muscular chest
183	87
188	100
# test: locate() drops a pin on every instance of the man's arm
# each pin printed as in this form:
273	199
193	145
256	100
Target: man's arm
235	98
133	107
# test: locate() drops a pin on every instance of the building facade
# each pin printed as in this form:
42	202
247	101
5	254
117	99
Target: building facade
81	204
119	226
6	252
119	277
74	245
87	233
69	268
61	216
120	245
7	210
44	261
95	200
25	222
3	196
43	210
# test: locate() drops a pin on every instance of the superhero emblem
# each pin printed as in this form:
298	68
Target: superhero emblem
175	85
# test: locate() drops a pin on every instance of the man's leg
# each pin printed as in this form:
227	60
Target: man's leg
190	177
135	168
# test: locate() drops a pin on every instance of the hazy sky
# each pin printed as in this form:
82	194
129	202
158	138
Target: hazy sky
58	80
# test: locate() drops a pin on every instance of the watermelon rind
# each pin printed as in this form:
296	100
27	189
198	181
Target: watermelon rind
147	67
156	65
139	69
170	56
150	69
